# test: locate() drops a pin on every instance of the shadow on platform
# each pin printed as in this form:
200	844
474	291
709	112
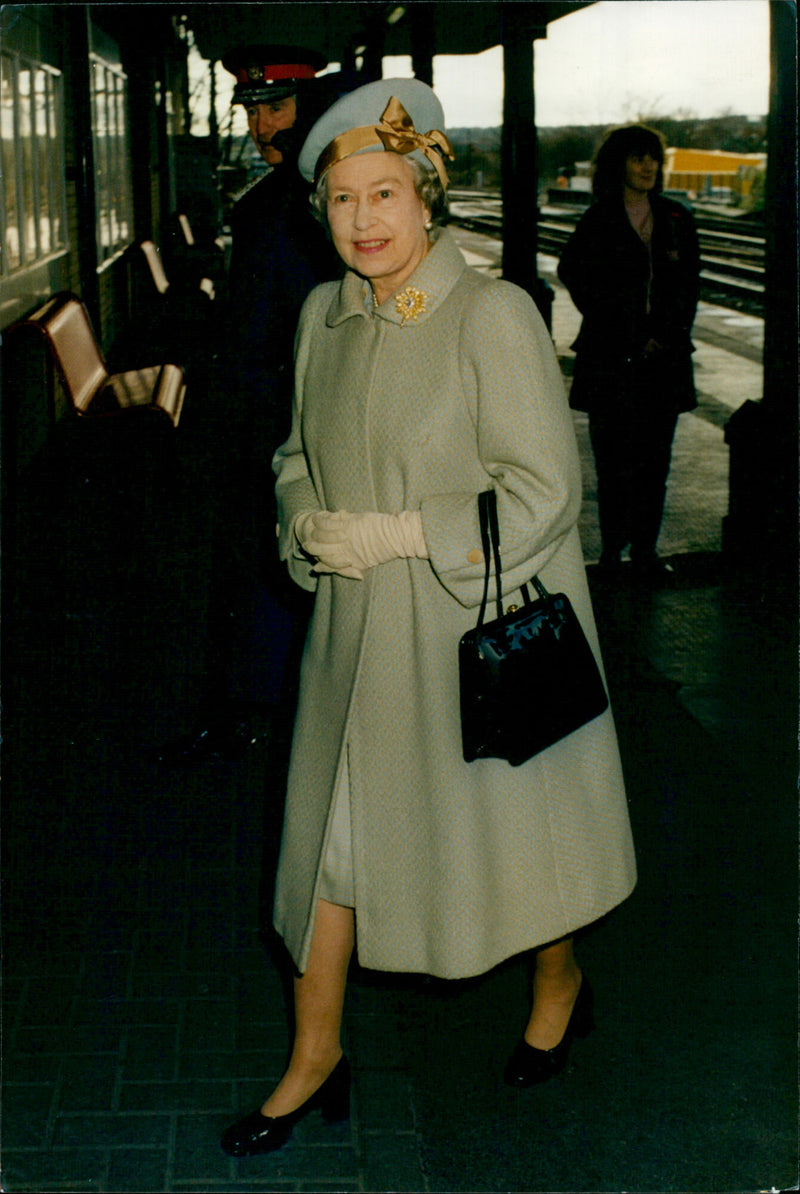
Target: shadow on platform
142	1011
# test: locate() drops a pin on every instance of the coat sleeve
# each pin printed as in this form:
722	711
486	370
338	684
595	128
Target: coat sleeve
676	287
525	441
575	268
294	488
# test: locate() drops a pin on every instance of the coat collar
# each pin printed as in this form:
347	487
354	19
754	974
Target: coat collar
425	291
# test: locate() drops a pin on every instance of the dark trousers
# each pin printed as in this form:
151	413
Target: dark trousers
632	445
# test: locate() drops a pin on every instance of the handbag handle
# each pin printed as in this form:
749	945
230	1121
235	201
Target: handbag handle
483	519
490	542
494	535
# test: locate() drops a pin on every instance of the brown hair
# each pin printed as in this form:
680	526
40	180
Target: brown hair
630	140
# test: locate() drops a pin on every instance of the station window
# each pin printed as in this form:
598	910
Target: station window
33	209
112	176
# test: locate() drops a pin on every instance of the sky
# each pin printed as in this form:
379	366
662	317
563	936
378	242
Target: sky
616	61
621	58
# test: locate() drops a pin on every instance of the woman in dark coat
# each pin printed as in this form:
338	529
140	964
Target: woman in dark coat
632	268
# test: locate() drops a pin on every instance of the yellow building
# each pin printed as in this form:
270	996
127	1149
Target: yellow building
701	172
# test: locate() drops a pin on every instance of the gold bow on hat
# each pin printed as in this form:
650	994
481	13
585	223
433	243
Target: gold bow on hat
396	133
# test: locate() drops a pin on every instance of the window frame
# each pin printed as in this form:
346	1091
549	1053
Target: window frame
39	194
111	146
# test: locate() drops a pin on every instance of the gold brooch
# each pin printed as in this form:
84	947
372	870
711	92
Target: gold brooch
410	303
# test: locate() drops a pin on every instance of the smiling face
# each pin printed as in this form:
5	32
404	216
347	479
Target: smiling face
641	174
376	219
265	120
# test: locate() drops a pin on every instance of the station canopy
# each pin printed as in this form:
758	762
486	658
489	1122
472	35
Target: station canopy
343	30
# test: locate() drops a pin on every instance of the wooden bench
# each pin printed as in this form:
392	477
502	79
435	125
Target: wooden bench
185	226
158	275
93	392
192	258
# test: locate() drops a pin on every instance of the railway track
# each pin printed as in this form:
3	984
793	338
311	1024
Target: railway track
731	260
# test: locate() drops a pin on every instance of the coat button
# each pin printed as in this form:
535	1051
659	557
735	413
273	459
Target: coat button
475	556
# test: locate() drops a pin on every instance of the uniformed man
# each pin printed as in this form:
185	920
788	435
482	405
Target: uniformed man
279	253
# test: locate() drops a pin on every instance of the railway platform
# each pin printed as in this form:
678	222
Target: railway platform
142	1011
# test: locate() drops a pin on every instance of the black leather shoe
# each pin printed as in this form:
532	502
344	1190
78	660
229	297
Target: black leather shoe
610	561
527	1066
650	569
258	1133
609	570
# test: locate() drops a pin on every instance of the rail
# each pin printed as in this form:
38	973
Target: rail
731	260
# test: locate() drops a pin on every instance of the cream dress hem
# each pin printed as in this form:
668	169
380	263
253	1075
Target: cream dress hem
336	878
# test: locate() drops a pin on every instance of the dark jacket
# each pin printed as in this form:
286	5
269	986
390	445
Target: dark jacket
279	254
606	268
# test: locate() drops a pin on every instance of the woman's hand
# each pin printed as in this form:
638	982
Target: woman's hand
349	544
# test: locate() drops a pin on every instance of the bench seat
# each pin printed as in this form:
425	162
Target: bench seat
161	387
93	392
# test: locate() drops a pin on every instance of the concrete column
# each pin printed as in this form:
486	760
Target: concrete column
213	123
761	526
423	37
780	331
519	169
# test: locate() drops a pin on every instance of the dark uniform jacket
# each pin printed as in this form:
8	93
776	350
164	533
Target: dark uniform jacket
606	268
279	254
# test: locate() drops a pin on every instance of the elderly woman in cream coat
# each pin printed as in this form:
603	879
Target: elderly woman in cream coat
419	383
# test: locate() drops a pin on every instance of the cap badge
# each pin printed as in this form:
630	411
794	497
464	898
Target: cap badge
255	73
410	303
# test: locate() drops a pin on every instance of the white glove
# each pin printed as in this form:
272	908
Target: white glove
349	544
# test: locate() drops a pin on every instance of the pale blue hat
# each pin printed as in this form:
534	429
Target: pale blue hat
400	115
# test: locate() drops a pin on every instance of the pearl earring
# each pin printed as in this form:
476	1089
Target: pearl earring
428	225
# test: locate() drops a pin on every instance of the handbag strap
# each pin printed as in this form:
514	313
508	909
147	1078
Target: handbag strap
539	587
483	520
494	535
490	542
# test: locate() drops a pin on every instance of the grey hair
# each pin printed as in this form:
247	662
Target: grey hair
427	185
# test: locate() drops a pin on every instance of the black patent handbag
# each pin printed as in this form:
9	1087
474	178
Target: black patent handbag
528	678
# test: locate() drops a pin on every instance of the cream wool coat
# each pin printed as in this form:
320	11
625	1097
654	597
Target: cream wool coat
456	865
